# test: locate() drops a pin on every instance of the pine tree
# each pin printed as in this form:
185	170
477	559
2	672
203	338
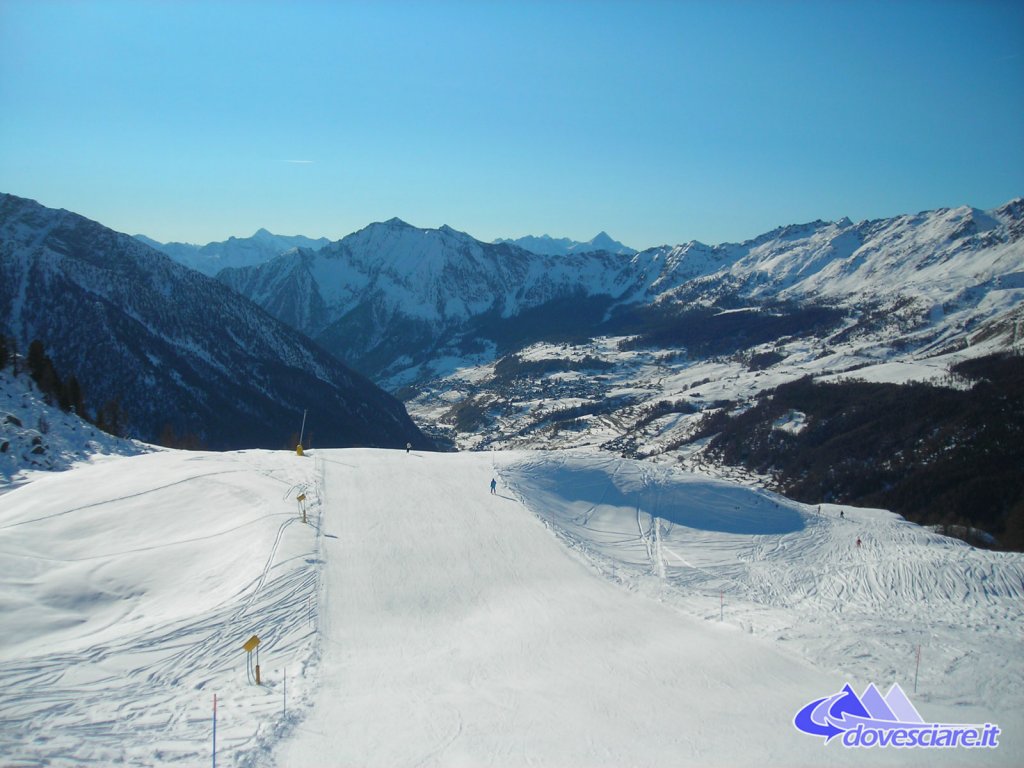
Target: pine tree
189	441
40	368
111	418
72	395
168	437
1013	533
36	356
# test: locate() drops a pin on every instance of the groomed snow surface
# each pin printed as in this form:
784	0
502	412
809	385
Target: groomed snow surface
593	612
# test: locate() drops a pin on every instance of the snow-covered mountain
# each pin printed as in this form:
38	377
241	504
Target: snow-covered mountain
388	295
392	297
235	251
172	346
491	345
702	334
545	245
938	273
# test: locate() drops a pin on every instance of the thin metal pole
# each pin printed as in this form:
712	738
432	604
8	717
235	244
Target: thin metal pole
917	668
303	430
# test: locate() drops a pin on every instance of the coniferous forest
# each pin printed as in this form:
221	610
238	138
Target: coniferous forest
940	455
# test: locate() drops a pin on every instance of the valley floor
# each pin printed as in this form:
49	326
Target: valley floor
593	611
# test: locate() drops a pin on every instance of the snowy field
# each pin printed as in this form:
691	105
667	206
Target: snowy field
594	611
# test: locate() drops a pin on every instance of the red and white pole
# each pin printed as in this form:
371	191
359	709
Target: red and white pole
215	730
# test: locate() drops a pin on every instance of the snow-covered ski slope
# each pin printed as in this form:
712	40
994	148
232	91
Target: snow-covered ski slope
595	611
127	589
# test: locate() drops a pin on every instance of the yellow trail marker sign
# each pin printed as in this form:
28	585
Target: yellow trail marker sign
251	644
301	497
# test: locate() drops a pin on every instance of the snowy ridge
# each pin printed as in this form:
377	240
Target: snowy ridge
934	255
234	252
430	608
932	277
392	290
545	245
440	275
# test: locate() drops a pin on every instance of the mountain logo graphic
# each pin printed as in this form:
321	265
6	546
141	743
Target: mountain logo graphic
873	720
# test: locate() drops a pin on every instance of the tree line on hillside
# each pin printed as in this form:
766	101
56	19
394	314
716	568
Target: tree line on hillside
66	393
731	324
722	329
514	366
937	455
63	393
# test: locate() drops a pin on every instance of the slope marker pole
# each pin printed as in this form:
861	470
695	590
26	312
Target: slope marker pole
215	730
917	667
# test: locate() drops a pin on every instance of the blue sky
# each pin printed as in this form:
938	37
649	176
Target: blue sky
659	122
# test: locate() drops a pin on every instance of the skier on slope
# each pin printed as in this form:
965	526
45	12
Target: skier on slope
494	486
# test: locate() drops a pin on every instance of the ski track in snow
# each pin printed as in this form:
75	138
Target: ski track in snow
903	587
595	611
145	697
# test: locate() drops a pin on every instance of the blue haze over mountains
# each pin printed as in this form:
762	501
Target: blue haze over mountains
263	246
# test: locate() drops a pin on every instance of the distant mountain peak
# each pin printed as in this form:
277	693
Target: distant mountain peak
454	232
603	241
149	241
546	245
262	246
